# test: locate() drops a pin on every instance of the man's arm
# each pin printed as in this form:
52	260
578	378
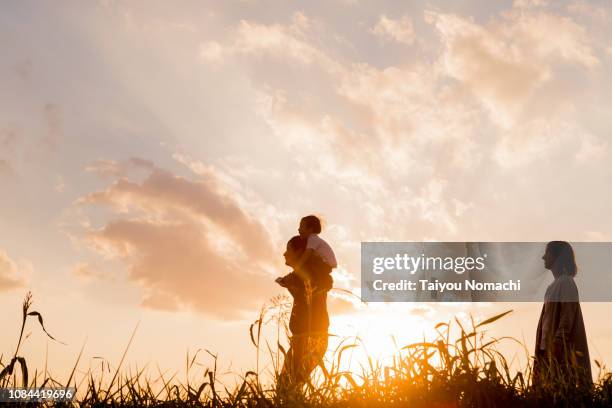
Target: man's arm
291	279
281	281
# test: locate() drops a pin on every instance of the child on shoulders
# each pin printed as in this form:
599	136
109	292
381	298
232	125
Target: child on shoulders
315	265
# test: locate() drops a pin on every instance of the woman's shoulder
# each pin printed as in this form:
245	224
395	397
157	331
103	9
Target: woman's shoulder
563	289
566	281
562	281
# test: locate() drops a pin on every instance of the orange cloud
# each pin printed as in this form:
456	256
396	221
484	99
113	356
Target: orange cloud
188	243
285	40
400	30
504	61
87	271
10	274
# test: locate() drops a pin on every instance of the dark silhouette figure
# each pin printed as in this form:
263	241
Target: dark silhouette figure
309	319
561	352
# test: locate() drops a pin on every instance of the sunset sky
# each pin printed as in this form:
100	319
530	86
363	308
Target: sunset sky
156	156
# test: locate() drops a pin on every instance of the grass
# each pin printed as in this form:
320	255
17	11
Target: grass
464	371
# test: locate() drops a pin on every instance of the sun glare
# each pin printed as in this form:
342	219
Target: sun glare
377	336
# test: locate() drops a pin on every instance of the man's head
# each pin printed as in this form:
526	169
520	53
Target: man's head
311	224
295	248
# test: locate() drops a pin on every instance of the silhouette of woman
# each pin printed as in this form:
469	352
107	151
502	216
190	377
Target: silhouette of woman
561	350
309	319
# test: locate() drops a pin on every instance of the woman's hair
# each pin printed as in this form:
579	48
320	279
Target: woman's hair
563	259
313	222
297	243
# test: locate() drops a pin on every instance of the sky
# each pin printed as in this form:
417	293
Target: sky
155	157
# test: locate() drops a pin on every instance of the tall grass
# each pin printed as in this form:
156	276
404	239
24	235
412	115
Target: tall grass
451	370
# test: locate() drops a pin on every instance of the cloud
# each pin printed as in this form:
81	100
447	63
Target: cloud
87	271
421	148
507	60
590	10
163	192
177	262
529	3
402	129
400	30
187	243
449	111
252	38
340	303
529	141
288	41
113	169
499	76
11	275
160	301
551	36
592	149
211	51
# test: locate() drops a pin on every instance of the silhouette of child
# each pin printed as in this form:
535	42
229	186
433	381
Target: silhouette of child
310	228
315	263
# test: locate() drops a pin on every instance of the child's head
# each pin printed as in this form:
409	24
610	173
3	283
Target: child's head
310	224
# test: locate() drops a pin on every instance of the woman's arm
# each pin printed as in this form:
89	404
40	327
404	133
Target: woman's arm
567	313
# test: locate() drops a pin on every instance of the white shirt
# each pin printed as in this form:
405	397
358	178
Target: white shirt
322	249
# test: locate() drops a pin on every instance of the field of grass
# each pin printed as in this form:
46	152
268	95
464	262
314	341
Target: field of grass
464	371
